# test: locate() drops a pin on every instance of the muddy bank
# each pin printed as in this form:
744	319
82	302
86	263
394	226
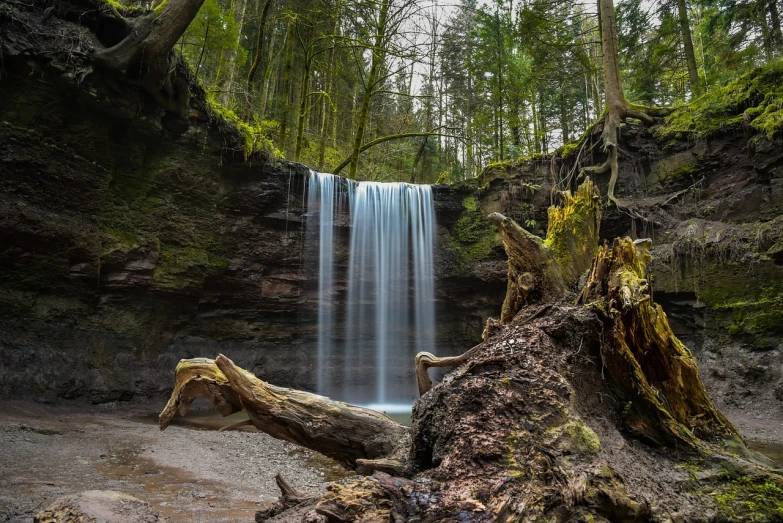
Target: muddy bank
190	472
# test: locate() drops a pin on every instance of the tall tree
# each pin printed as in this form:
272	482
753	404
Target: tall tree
617	108
687	43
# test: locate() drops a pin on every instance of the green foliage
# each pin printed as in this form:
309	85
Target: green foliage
211	39
255	137
754	99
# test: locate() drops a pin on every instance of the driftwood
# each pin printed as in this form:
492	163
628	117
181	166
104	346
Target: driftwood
343	432
580	405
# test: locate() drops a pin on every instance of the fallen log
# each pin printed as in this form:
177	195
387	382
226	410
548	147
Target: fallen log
341	431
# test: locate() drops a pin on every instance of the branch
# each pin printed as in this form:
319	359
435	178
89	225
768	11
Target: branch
387	138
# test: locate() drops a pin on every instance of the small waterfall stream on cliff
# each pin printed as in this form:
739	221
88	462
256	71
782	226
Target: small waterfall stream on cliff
370	331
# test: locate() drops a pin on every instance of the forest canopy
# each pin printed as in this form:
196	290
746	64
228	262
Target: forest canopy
425	91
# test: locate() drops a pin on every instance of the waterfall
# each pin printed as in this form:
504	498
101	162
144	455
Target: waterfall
388	312
322	196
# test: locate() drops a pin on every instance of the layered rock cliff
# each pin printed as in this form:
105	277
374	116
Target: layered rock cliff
132	239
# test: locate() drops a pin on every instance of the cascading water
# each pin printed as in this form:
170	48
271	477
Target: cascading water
323	197
388	313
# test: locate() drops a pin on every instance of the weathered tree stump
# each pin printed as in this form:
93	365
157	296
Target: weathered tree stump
580	405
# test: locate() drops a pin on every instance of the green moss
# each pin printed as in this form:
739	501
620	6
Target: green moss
473	236
693	468
161	6
687	171
750	498
184	267
506	170
574	437
571	238
731	271
568	149
255	137
118	239
754	99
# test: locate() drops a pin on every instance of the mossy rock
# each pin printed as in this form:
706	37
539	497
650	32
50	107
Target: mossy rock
575	438
473	236
184	267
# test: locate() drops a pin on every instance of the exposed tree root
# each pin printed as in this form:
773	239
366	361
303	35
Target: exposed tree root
613	120
137	46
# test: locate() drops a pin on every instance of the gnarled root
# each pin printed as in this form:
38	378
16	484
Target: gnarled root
425	360
346	433
613	121
289	498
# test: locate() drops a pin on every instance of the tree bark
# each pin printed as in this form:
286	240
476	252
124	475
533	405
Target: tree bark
544	270
304	92
668	404
775	29
152	36
343	432
146	53
259	42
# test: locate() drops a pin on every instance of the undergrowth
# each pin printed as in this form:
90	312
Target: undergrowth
754	100
255	136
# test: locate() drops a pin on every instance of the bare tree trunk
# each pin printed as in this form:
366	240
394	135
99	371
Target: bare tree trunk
777	34
690	54
239	18
326	100
343	432
378	54
286	86
303	108
259	42
269	73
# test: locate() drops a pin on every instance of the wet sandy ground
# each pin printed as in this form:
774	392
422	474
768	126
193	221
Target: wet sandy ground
189	472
